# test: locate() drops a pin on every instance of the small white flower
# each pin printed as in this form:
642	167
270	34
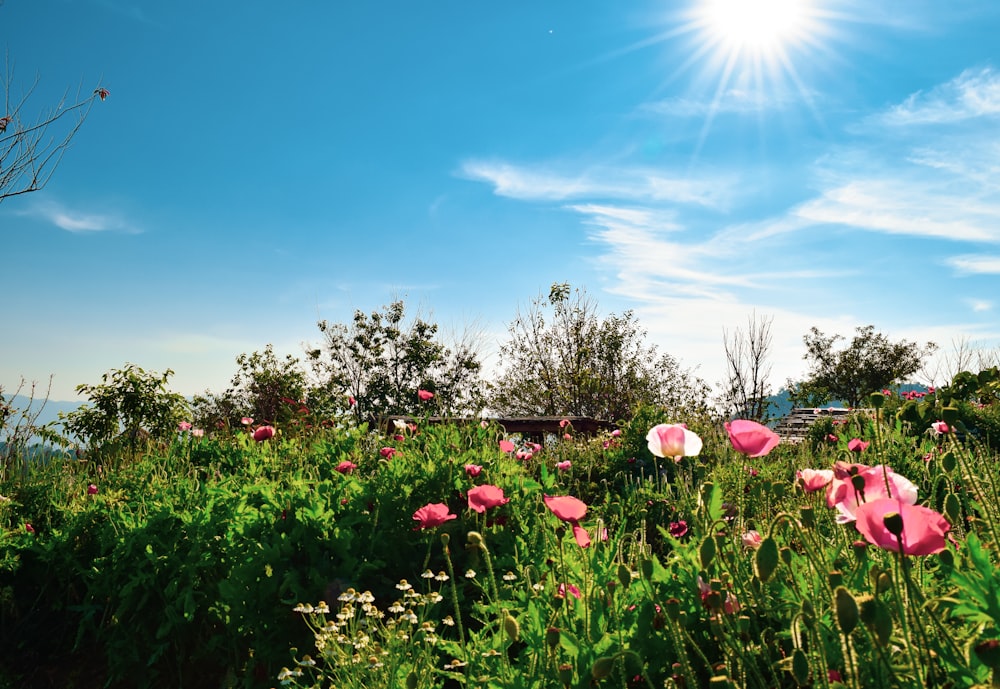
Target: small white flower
441	576
470	574
403	585
510	576
428	574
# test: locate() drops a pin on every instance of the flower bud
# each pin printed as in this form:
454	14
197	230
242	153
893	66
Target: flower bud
847	610
706	552
412	680
624	575
948	461
952	508
800	667
474	538
566	674
552	637
646	568
445	539
860	549
602	667
511	627
766	559
949	415
836	578
876	399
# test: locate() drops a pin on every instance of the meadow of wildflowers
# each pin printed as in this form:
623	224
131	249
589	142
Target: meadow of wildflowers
666	553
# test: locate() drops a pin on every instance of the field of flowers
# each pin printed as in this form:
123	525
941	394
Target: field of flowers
666	553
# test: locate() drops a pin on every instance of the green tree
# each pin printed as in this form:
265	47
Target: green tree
382	359
870	362
129	407
266	388
563	359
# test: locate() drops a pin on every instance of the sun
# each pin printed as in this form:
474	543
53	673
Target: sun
759	27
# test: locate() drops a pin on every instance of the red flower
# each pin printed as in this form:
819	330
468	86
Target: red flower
940	427
346	467
506	446
482	498
28	527
387	452
425	395
563	423
570	510
678	528
351	401
433	514
473	470
751	438
921	531
92	489
263	433
857	445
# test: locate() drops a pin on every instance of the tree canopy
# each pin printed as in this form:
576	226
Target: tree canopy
870	362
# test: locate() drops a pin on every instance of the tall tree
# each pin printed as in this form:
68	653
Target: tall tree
383	359
747	356
563	359
868	363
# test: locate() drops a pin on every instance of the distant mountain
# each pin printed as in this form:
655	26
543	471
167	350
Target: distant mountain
47	411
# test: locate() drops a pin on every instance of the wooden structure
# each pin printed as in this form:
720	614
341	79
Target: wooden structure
793	427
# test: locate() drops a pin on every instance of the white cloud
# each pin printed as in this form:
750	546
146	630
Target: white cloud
973	264
972	94
980	305
80	222
635	183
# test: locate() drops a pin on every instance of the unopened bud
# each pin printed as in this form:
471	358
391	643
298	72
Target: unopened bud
566	674
474	538
800	667
445	539
766	559
412	680
847	610
952	508
706	552
511	627
877	399
602	667
949	415
552	637
807	515
624	575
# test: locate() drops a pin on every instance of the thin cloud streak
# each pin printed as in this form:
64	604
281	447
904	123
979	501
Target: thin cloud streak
648	185
975	265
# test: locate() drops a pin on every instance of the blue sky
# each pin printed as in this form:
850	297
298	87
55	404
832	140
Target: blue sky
260	166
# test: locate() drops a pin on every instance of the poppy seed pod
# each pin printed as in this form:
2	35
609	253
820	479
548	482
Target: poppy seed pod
766	559
602	667
846	608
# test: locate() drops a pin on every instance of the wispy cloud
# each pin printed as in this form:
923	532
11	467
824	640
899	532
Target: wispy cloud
975	265
80	222
733	100
622	183
973	93
980	305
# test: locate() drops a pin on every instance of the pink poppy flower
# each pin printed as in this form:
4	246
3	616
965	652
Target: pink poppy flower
571	589
563	466
263	433
857	445
246	421
563	423
473	470
506	446
940	428
351	401
616	433
751	438
567	436
751	539
425	395
92	489
813	479
346	467
570	510
433	514
831	438
524	455
28	527
482	498
673	440
387	452
923	530
678	529
184	426
197	432
846	498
